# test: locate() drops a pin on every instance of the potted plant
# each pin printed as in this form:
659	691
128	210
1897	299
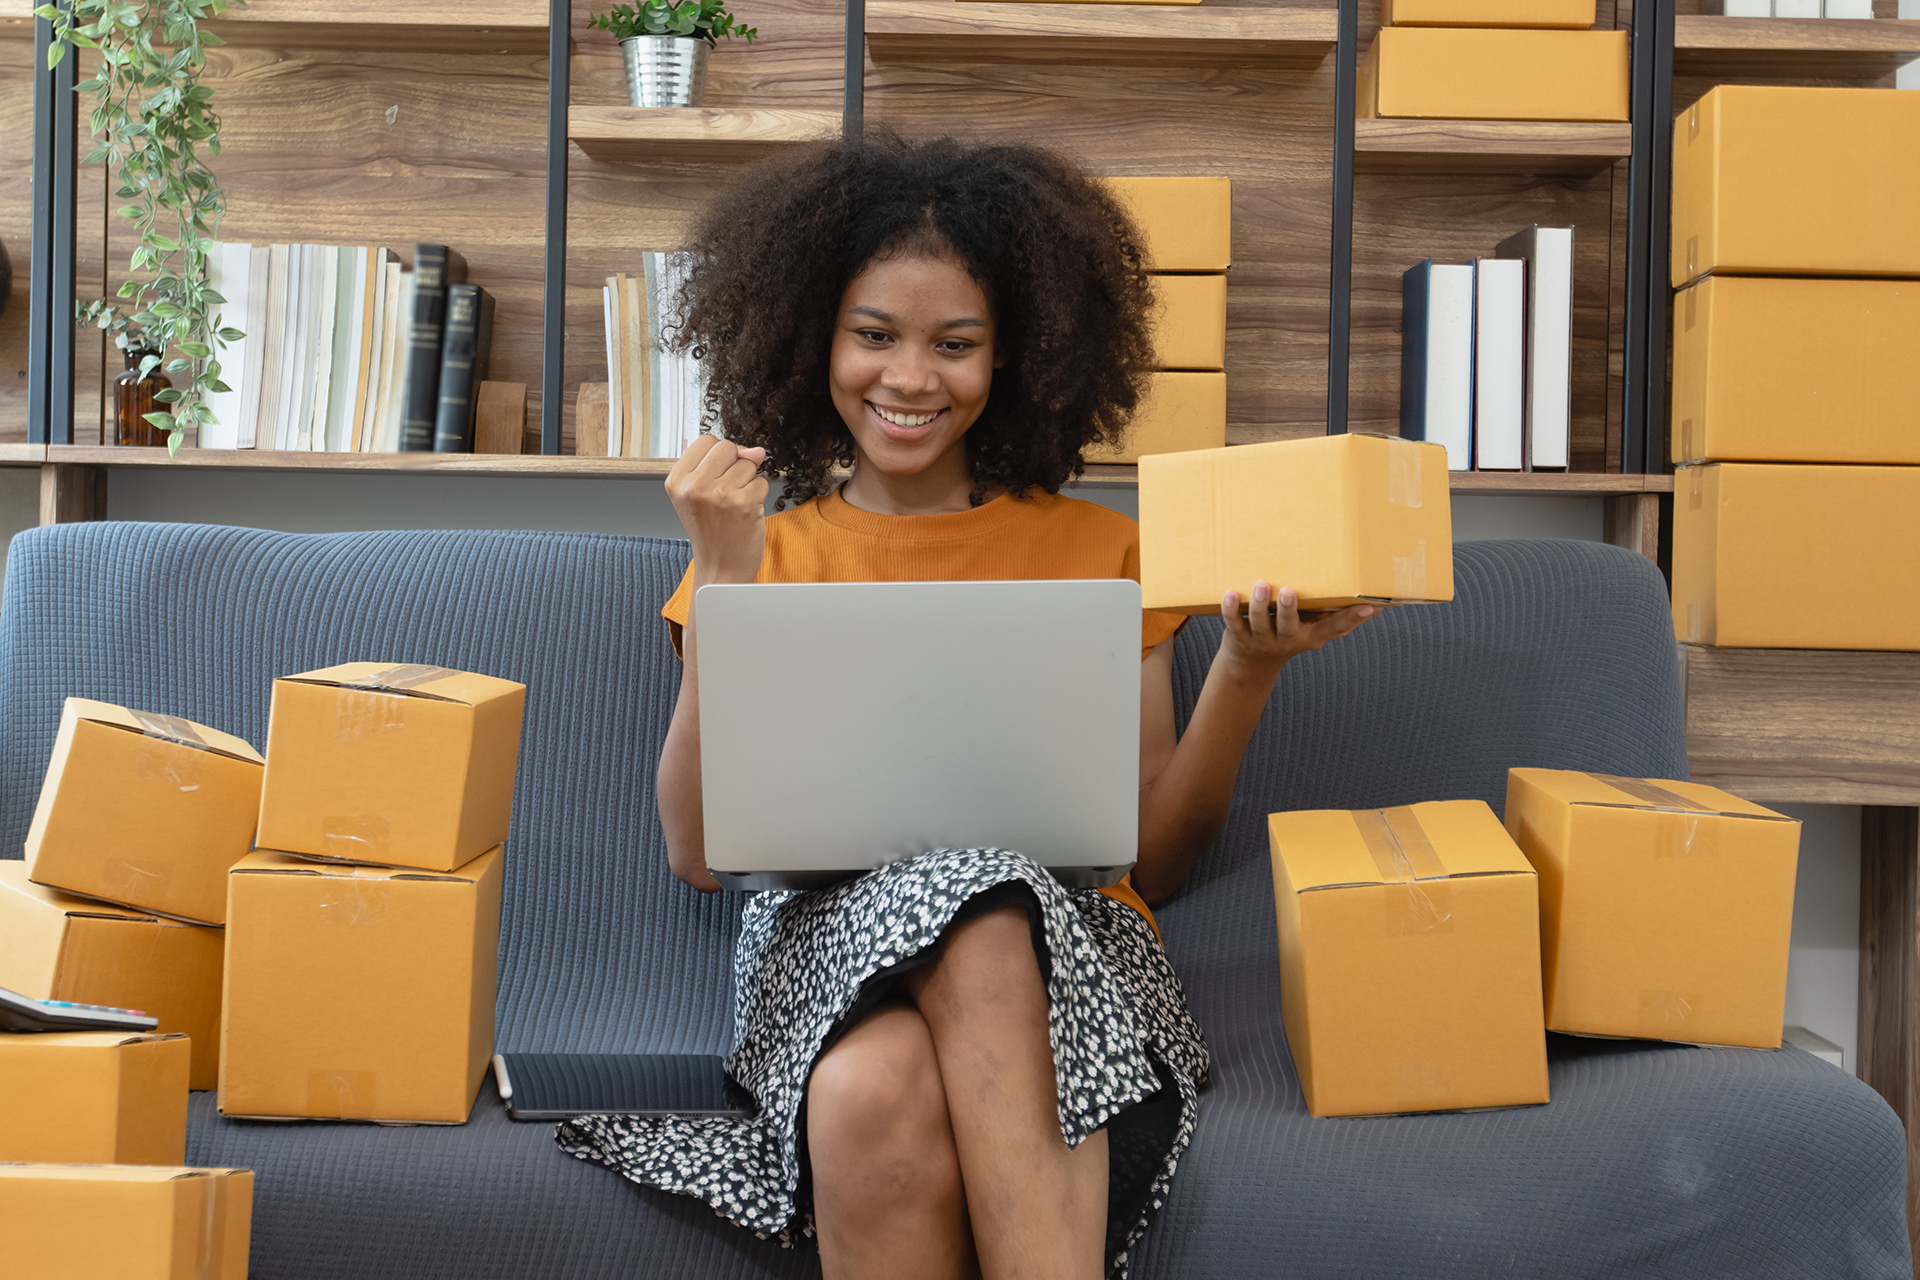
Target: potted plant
666	46
153	117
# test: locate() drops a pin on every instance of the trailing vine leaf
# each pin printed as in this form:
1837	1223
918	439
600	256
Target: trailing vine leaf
706	20
152	116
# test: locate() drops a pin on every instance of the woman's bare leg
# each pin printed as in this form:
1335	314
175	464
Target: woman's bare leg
1039	1208
887	1197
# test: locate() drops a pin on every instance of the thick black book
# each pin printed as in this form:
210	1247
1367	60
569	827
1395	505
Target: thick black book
463	365
434	268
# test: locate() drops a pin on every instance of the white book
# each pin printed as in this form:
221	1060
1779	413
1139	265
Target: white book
316	353
227	269
616	366
349	373
273	349
1548	253
1436	359
1737	8
248	427
1499	363
1847	9
393	413
329	427
296	383
1796	8
370	349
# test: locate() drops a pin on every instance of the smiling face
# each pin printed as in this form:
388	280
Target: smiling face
911	365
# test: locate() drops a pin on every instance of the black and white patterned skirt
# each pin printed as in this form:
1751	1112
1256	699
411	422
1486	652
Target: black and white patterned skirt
1127	1054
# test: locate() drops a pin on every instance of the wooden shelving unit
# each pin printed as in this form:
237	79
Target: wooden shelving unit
410	26
693	134
1793	48
911	31
1498	146
22	455
485	464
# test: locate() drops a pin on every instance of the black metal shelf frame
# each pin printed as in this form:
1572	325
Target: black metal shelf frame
1643	415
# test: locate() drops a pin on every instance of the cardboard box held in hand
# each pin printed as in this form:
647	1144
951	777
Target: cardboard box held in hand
1340	519
1409	959
1666	908
359	993
93	1097
145	810
408	766
130	1222
54	946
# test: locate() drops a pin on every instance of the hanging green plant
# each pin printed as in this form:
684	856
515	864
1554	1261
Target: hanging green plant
152	117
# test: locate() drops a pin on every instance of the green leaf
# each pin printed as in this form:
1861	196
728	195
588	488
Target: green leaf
173	442
169	395
214	384
198	350
55	52
230	335
147	364
161	420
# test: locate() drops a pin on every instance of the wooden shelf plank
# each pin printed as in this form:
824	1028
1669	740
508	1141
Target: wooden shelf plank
16	19
410	26
486	464
1803	726
1793	48
693	133
941	31
1501	146
1576	484
22	455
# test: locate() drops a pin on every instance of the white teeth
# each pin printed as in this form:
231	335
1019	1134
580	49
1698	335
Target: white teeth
906	419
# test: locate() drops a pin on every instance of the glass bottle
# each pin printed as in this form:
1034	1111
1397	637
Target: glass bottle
133	399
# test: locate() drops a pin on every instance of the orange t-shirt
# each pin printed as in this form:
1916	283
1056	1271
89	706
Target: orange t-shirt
1007	539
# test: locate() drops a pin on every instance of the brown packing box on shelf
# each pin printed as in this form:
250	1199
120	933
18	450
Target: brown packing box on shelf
359	993
54	946
406	766
144	810
1340	519
93	1097
1666	908
1485	73
1572	15
1777	556
1190	326
1187	223
1771	180
1181	411
1409	959
1796	370
129	1222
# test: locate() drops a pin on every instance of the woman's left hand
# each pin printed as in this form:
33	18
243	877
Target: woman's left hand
1272	631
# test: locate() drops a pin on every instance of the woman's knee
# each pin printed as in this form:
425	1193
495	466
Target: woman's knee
877	1110
987	961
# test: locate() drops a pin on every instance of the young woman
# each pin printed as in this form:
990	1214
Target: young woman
962	1068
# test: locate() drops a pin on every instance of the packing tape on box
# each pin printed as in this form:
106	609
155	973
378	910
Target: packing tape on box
172	728
137	884
1675	840
357	837
1650	793
1410	573
213	1228
408	676
1419	898
376	702
335	1092
350	902
1668	1009
1405	474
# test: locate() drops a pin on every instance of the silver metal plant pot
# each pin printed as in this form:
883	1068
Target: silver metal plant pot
665	71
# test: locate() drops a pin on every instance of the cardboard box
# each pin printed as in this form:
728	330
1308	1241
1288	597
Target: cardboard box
1796	370
1666	908
1772	180
1409	945
1774	556
359	993
130	1222
1461	73
1187	223
392	766
1190	327
1570	15
93	1097
144	810
1340	519
54	946
1181	411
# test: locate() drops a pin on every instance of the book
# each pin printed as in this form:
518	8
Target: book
290	377
1548	253
434	268
247	429
616	364
323	284
390	336
639	336
350	299
463	366
1499	356
370	358
275	331
1737	8
1436	359
228	274
392	434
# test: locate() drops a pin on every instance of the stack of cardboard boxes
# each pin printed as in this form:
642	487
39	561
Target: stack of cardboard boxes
1187	225
1796	253
1493	60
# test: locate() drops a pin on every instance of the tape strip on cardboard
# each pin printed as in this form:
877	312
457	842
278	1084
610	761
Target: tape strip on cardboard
1404	474
1419	898
377	702
334	1092
1410	573
407	676
1667	1010
363	837
1650	793
1671	839
350	902
213	1229
172	728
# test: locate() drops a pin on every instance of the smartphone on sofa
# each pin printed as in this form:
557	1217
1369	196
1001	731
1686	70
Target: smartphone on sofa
560	1086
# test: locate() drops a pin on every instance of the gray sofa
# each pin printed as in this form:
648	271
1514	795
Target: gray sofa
1652	1160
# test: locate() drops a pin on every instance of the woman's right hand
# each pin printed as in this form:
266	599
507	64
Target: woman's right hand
721	498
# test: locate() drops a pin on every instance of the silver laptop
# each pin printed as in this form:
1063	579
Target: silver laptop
847	725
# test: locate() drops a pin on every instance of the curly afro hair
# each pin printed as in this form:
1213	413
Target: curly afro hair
1055	254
